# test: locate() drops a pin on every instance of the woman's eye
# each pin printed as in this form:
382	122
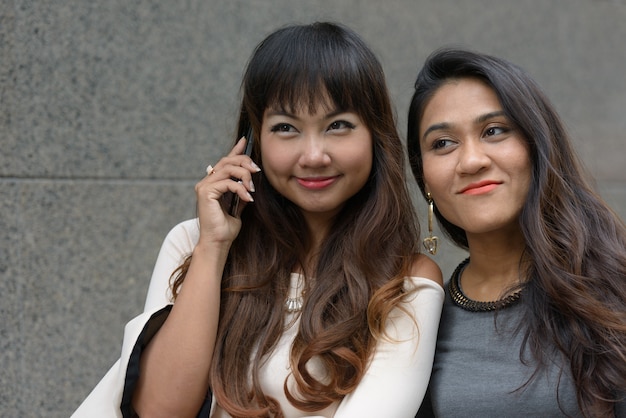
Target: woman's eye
440	143
282	127
340	124
495	130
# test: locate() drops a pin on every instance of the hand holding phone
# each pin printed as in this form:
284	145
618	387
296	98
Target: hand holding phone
234	201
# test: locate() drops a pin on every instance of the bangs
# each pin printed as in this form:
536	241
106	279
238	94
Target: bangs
299	88
296	98
304	69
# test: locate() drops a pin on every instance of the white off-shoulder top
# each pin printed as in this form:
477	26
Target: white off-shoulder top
393	386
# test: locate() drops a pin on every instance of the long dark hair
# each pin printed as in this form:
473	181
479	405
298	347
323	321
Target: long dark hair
362	263
575	292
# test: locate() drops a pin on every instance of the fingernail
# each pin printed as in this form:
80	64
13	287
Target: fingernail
250	199
251	186
254	166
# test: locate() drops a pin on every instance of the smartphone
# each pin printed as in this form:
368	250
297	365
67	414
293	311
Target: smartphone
234	201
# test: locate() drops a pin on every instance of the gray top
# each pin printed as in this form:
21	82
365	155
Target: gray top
478	373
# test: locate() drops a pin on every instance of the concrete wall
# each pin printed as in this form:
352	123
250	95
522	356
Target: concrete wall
111	110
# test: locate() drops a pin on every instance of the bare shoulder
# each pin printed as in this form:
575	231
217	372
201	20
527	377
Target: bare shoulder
423	266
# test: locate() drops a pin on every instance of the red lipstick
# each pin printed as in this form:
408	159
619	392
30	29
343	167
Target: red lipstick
480	187
316	183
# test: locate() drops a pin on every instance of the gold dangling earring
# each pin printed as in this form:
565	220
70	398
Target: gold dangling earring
430	242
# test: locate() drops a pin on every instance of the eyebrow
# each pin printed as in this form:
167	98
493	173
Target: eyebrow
479	119
435	127
490	115
283	112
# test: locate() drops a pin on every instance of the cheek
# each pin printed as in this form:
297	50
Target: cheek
432	175
273	156
522	170
355	156
363	161
367	162
525	180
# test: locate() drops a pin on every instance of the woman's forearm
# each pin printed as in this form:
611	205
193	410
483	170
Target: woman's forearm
174	369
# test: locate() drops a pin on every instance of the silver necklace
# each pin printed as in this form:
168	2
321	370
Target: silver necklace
294	304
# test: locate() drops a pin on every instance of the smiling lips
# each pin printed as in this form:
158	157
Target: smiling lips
480	188
316	183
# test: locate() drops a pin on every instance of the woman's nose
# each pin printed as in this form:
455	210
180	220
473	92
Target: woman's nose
472	157
314	151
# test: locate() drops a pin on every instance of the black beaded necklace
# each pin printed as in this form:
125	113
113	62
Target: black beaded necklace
468	304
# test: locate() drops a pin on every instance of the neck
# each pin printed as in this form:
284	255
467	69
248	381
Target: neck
317	234
494	266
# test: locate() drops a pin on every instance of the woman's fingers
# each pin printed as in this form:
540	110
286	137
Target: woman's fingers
239	147
231	174
235	164
214	188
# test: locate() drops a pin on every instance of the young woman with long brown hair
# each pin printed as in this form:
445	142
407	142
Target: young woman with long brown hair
313	299
534	321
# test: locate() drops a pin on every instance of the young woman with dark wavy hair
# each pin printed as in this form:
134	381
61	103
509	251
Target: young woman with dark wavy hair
534	321
313	300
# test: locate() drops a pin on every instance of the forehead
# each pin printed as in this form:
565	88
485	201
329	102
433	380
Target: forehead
309	104
459	101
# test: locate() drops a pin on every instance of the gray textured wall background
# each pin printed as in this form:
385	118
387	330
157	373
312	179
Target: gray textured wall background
110	111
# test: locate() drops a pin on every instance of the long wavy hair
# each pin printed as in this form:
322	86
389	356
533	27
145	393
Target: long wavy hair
362	263
575	289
